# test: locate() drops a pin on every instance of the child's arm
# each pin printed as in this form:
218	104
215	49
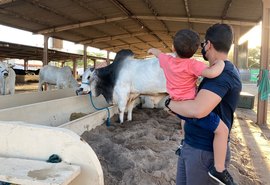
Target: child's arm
154	51
214	70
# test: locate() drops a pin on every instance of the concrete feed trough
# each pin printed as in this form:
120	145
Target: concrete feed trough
33	127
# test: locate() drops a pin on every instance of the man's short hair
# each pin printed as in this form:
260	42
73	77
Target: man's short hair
186	43
221	36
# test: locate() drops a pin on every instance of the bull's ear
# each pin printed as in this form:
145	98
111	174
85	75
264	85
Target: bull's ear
92	69
11	65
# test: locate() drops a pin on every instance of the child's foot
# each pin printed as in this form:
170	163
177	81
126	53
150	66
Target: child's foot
223	178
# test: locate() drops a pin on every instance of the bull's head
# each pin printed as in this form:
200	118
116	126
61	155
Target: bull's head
88	82
4	70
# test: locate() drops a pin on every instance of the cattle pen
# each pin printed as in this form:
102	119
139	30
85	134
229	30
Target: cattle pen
93	153
45	120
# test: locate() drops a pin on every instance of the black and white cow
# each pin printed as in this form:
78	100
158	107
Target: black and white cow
124	80
7	79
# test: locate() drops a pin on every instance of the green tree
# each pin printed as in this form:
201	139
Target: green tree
254	57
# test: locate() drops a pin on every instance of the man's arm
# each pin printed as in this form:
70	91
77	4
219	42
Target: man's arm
200	107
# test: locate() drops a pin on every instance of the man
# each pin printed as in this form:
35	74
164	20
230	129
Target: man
219	95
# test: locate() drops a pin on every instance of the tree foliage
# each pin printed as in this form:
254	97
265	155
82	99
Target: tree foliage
254	57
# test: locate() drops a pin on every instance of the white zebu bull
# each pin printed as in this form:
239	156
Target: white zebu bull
7	79
61	77
124	80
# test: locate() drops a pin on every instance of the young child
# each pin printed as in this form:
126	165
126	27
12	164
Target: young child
181	74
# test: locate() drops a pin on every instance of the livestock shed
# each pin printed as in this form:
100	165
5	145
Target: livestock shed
115	24
20	51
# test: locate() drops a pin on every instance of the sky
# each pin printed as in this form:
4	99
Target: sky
13	35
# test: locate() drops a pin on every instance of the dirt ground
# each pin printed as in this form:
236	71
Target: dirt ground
141	152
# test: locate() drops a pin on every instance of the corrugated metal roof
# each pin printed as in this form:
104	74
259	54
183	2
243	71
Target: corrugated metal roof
134	24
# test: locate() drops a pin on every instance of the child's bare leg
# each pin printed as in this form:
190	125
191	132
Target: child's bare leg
182	131
220	146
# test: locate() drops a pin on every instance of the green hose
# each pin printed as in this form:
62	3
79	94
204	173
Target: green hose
264	85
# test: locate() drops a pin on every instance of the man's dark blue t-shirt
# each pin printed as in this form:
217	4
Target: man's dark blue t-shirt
228	86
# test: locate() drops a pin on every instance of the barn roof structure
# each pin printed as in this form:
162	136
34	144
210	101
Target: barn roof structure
116	24
19	51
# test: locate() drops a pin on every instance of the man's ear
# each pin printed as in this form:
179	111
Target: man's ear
173	49
208	45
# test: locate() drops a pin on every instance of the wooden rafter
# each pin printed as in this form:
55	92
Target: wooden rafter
49	9
22	17
112	21
188	13
187	8
154	11
63	15
226	9
129	13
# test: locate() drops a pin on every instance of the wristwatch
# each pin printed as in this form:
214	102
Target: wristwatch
167	102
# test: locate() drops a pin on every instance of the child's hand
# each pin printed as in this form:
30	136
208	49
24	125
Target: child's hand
150	51
154	51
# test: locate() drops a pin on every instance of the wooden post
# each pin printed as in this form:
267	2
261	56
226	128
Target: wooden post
95	62
264	64
25	64
74	68
236	30
45	50
108	58
84	57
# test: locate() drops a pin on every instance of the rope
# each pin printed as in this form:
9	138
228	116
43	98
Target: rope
108	122
264	85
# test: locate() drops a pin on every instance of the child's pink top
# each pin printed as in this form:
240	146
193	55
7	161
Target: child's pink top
181	75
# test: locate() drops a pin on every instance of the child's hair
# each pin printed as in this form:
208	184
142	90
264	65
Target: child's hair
221	36
186	43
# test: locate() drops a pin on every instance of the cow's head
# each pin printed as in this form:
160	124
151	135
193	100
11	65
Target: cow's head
4	70
87	82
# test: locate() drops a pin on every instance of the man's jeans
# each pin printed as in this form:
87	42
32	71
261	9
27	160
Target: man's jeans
193	165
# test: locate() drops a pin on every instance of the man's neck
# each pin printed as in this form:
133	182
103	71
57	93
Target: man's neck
219	56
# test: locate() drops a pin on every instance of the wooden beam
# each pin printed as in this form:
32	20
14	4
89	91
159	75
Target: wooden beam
80	25
103	39
237	35
197	20
116	19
